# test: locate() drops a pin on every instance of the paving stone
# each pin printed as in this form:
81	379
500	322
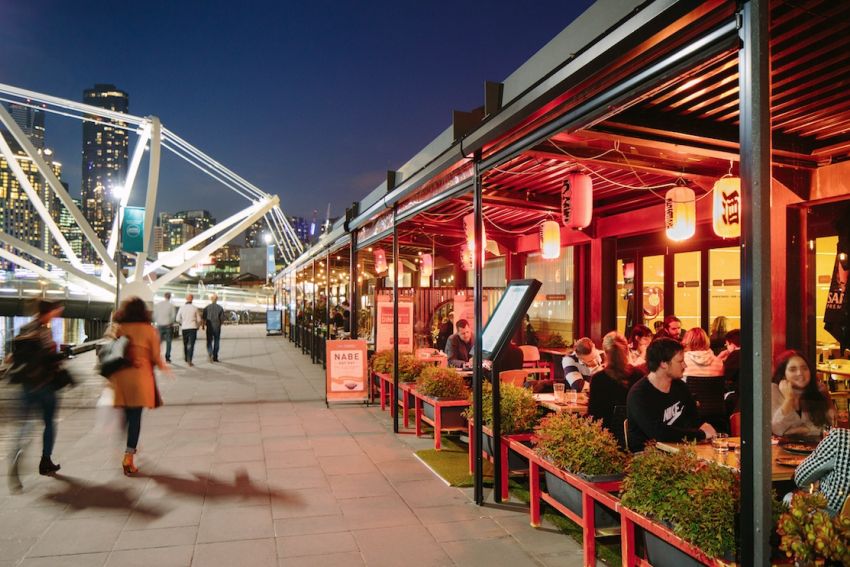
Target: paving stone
254	553
76	560
159	537
316	544
176	556
235	524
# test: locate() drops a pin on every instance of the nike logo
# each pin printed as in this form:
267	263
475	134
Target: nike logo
673	413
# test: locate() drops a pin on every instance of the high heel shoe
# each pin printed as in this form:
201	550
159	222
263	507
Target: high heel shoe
47	467
127	464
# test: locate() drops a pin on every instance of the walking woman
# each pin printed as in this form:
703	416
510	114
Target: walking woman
35	366
135	386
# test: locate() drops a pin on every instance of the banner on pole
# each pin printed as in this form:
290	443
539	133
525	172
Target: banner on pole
347	371
133	229
385	339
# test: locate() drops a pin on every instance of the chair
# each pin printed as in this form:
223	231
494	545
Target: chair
708	393
626	432
515	377
735	424
530	356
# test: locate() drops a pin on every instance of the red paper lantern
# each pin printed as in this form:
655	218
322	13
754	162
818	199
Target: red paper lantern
380	260
577	201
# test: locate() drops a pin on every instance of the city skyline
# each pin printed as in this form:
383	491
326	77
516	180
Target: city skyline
313	103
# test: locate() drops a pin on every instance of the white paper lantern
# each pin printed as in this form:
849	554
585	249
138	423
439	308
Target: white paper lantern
550	240
726	214
680	216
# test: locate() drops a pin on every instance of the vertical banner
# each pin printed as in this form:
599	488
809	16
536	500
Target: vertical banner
385	339
464	308
270	265
133	229
346	374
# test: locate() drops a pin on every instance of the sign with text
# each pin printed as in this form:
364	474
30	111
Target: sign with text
384	339
346	374
133	229
464	308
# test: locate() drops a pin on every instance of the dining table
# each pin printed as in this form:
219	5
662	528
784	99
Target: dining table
732	457
548	401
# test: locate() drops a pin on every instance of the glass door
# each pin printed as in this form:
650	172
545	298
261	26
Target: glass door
653	291
686	291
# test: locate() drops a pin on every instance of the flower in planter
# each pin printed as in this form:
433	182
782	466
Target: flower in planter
409	367
810	534
517	408
441	383
382	361
699	501
579	445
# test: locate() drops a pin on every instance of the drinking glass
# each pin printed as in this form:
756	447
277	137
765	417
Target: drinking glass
572	397
720	442
559	392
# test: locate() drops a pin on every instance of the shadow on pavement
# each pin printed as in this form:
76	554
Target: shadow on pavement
83	496
207	486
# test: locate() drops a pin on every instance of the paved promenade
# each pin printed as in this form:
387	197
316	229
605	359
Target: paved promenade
245	466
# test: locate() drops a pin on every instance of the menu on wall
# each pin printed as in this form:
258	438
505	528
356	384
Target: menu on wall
346	373
384	339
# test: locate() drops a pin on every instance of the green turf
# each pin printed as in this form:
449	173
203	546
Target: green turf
452	464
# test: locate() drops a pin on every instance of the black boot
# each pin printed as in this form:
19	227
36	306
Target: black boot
46	467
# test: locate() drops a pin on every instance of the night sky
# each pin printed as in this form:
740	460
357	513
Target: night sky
313	101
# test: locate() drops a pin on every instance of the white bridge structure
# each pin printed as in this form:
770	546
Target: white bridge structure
147	277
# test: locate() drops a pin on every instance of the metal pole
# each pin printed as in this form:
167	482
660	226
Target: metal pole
313	316
754	103
117	262
395	321
327	307
353	299
477	395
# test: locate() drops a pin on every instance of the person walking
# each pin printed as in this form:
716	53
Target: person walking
35	364
213	319
189	318
163	318
135	385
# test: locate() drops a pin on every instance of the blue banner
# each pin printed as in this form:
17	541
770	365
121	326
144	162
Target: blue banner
133	229
270	266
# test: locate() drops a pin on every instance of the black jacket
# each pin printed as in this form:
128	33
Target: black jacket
457	351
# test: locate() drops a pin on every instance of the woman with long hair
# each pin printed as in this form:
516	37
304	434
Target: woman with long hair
717	333
639	339
135	386
699	358
799	405
609	388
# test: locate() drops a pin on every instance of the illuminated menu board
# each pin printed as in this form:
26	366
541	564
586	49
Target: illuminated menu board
508	314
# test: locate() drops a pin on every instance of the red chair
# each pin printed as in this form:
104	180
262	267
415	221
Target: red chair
735	424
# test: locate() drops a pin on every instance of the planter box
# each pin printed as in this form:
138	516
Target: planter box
516	463
662	554
571	497
442	415
452	417
513	461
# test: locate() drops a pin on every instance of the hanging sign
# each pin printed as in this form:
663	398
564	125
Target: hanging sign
133	229
836	316
384	339
346	373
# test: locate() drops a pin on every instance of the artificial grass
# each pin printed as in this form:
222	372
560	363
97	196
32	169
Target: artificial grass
452	464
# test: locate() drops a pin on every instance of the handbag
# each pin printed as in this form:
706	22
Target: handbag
62	379
112	356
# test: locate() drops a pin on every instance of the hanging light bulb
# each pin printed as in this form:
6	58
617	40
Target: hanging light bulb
427	266
680	217
380	260
550	240
726	213
577	201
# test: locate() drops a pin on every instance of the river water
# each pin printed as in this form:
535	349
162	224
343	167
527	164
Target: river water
65	331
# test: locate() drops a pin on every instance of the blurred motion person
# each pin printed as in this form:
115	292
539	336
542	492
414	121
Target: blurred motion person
164	318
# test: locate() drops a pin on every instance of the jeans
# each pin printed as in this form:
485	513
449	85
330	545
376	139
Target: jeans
213	339
189	338
134	427
165	333
43	400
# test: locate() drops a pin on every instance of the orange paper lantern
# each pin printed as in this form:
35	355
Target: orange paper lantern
680	216
726	214
550	240
380	260
577	201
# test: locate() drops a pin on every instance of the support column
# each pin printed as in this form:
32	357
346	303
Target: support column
754	106
395	322
353	297
478	295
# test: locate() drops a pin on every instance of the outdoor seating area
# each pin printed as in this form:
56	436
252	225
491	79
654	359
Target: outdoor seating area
664	202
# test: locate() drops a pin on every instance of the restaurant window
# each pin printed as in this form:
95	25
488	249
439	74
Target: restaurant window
493	274
653	290
625	295
724	285
686	290
825	249
552	310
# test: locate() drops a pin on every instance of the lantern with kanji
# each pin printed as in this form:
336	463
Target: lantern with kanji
380	260
577	201
550	240
727	207
427	266
680	216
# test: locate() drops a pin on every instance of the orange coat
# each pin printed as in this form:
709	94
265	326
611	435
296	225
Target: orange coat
135	385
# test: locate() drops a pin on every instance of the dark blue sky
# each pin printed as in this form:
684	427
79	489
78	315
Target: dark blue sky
313	100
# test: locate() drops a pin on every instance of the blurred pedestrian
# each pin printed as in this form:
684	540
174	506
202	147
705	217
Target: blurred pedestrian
213	319
189	318
35	364
135	385
163	318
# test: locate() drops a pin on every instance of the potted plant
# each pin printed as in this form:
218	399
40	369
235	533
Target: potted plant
382	361
554	340
580	446
518	413
810	536
441	400
698	501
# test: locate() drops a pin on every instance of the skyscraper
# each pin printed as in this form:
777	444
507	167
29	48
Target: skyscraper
105	156
31	121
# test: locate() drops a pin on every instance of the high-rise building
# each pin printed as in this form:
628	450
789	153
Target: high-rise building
254	234
105	156
200	219
30	120
70	228
301	226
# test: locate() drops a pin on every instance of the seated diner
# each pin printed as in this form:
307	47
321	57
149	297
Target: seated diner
582	364
800	407
459	345
609	388
699	358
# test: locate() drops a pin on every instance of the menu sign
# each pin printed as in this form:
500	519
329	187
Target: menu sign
384	339
346	374
508	313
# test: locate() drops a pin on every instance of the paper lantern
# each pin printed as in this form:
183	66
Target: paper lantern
380	260
469	228
391	273
466	259
727	207
550	240
680	216
629	271
424	281
427	266
577	201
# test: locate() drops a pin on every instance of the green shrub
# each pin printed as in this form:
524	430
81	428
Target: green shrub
809	534
579	445
442	383
517	408
382	361
409	367
700	501
555	340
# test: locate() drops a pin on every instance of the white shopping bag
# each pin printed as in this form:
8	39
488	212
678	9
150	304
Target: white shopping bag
107	416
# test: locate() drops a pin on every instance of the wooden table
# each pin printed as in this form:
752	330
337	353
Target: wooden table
732	459
556	351
548	401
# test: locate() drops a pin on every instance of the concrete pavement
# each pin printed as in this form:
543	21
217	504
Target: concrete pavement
245	466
